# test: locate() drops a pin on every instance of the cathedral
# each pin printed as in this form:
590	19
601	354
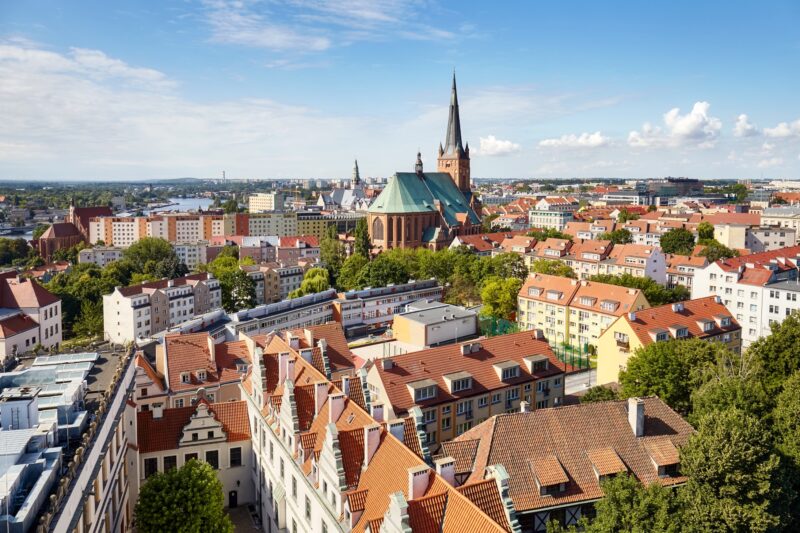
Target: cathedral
429	209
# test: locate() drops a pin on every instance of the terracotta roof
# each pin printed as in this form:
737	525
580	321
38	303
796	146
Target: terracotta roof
463	453
621	251
340	358
604	298
486	496
606	461
434	363
548	471
561	245
60	230
663	317
521	442
16	324
663	452
674	261
306	241
16	293
553	289
425	515
484	242
142	362
763	259
191	279
190	352
749	219
357	499
579	249
164	433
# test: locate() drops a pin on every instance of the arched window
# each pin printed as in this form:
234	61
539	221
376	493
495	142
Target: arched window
377	229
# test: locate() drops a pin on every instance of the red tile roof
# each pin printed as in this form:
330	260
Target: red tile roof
191	279
663	317
60	230
14	325
433	364
486	496
567	434
306	241
164	433
16	293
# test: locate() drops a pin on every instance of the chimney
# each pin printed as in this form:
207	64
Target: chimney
636	415
465	348
446	468
293	340
158	411
418	481
524	407
538	334
717	299
336	406
372	437
346	385
283	358
387	363
320	395
170	283
377	411
323	346
309	335
632	316
397	428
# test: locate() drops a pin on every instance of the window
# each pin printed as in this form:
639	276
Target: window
150	467
189	457
271	451
511	372
662	336
170	462
179	402
496	398
462	384
542	404
429	416
483	401
308	509
211	434
235	457
461	428
283	469
464	407
512	394
425	393
212	458
446	423
446	410
430	437
294	487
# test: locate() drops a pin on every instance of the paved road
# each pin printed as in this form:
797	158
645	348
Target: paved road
580	381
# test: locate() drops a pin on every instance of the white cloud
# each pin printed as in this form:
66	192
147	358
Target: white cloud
492	146
767	147
771	162
743	127
696	127
584	140
784	129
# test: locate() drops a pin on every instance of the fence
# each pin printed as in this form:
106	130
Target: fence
577	357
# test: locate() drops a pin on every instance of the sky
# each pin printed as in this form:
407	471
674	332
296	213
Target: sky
128	90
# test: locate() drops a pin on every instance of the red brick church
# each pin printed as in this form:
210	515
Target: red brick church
429	209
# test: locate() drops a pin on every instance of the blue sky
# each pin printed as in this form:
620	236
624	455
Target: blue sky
265	89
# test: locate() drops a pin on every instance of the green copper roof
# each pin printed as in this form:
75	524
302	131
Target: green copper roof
408	192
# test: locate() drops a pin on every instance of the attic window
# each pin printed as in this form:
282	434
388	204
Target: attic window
609	305
534	291
554	295
184	377
662	336
681	333
588	300
201	374
462	384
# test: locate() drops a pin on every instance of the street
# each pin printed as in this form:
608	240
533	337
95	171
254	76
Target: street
580	381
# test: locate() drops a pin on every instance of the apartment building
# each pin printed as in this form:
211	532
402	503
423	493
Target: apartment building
704	318
484	244
30	316
100	255
681	269
586	257
192	254
215	433
459	385
374	308
643	232
428	323
265	202
172	227
139	311
572	311
767	238
263	224
327	458
784	217
567	204
589	230
308	310
545	219
637	260
291	249
550	249
557	476
316	223
757	288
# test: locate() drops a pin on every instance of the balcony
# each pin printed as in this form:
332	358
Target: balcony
624	346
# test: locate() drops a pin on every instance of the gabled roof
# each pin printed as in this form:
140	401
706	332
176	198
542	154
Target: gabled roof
663	317
433	364
160	434
16	324
562	289
142	362
60	230
190	352
567	435
191	279
17	292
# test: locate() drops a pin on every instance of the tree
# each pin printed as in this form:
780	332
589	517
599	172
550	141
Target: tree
231	206
90	320
714	251
599	393
12	250
39	230
185	500
786	416
349	274
670	369
238	290
229	250
506	265
315	280
705	231
548	233
553	267
500	297
738	191
777	353
154	257
362	245
626	216
677	241
332	252
382	271
656	294
734	482
619	236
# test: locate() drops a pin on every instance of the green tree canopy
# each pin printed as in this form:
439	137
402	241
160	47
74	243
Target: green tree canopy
155	257
183	500
548	233
677	241
350	272
656	294
618	236
777	353
315	280
553	267
382	271
670	369
238	290
362	246
499	297
332	253
39	230
734	478
714	251
787	420
705	231
626	216
13	250
599	393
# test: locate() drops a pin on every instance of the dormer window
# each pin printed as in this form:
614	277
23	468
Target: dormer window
726	321
507	370
201	374
664	456
423	390
609	305
681	333
554	295
534	291
552	253
550	477
588	300
185	377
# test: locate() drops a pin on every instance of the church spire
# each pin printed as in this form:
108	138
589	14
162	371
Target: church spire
356	179
453	145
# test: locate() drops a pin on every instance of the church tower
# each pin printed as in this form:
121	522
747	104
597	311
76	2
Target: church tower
454	157
355	180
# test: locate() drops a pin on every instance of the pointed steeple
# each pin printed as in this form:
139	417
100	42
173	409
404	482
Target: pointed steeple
355	181
453	145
